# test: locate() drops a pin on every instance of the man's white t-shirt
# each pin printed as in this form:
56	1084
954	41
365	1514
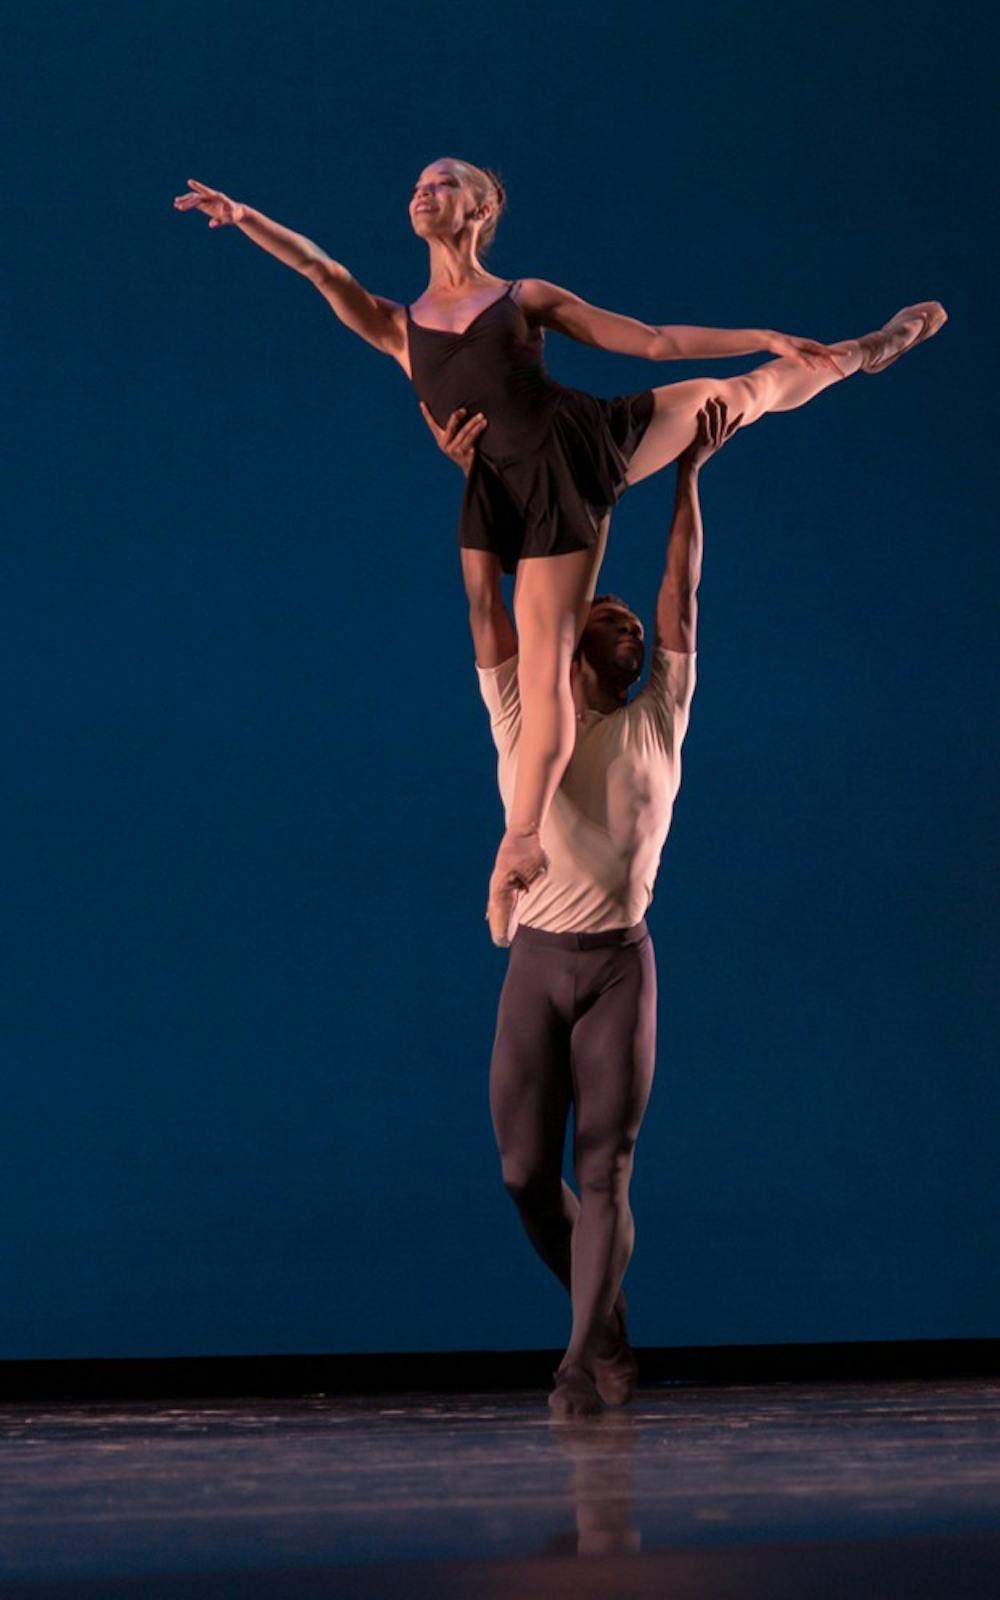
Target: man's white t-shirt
610	816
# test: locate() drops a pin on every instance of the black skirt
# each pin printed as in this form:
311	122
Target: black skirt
553	499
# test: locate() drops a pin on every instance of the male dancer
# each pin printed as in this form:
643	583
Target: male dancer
577	1018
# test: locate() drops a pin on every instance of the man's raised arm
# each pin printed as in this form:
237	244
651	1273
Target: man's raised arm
494	637
677	602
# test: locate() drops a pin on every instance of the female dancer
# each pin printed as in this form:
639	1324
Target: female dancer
551	461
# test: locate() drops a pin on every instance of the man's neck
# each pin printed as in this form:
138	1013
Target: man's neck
589	694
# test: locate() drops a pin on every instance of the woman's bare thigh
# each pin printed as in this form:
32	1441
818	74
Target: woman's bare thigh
672	426
552	597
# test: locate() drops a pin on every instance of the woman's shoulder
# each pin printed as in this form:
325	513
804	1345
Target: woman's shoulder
541	301
531	293
532	296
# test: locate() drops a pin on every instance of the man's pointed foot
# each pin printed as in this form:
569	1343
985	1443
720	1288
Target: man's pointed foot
616	1371
575	1393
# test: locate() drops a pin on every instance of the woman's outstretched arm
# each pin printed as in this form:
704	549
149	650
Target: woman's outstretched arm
557	308
378	321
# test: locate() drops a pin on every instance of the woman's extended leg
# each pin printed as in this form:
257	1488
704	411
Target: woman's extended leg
780	385
551	598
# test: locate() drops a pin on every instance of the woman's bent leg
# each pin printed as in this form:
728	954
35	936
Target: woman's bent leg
551	598
552	595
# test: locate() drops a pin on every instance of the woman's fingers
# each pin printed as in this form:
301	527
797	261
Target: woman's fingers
820	355
200	202
201	195
806	351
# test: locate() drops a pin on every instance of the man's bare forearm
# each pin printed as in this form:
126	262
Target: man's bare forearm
494	637
687	535
677	606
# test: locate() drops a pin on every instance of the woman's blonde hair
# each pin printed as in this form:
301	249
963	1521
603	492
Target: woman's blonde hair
485	185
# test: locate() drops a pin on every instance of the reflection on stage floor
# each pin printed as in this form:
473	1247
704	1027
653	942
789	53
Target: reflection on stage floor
724	1492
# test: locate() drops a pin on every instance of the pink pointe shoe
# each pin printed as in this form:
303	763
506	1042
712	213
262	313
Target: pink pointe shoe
520	860
901	333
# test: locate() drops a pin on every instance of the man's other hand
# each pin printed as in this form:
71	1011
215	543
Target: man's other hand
457	438
714	429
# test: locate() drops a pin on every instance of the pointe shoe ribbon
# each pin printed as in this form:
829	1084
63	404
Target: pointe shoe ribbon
932	318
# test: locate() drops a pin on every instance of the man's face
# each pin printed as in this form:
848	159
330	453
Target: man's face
612	644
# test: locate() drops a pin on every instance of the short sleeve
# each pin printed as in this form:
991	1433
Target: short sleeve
665	700
501	696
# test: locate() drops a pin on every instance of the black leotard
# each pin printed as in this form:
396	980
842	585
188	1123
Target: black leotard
551	461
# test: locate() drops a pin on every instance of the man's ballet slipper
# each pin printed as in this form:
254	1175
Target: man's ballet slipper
928	318
575	1394
616	1374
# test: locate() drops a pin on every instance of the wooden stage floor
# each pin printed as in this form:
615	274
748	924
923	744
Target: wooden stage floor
745	1492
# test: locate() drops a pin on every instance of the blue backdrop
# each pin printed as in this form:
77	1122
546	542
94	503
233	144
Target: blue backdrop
249	805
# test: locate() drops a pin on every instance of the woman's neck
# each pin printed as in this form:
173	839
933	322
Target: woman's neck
454	266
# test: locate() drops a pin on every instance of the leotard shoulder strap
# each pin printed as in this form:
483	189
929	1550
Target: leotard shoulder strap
511	286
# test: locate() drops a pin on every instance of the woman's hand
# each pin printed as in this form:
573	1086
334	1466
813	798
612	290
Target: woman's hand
806	351
457	438
217	206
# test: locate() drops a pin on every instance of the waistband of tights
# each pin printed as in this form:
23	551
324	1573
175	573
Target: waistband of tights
581	941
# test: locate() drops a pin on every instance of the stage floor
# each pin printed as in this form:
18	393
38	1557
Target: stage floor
804	1490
